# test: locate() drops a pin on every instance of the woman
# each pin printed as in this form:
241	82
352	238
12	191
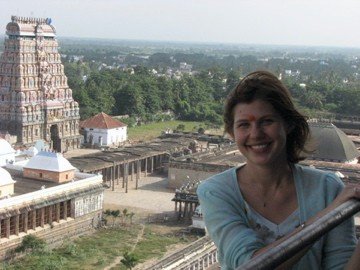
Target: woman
251	208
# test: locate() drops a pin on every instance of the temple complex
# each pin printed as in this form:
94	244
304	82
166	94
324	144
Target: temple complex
50	209
35	99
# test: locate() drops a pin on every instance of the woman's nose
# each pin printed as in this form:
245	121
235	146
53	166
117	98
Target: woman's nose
255	130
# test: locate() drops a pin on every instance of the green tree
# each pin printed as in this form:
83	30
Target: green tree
129	260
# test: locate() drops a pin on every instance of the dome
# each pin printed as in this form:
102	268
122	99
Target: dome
5	177
5	147
331	144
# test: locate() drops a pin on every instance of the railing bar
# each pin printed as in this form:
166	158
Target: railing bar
285	250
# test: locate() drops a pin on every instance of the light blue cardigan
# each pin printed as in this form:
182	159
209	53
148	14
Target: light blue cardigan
228	225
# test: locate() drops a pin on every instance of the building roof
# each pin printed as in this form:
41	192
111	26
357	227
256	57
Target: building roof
5	178
101	121
331	143
49	161
5	147
27	26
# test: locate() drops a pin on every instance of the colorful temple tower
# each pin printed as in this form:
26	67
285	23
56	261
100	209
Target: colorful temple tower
35	99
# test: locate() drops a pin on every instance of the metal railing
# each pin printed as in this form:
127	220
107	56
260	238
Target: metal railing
308	235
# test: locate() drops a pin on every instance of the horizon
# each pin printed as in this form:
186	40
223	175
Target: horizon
316	23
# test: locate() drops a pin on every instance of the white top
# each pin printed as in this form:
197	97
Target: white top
5	178
49	161
5	147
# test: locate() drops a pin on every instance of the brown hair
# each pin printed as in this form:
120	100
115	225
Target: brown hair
265	86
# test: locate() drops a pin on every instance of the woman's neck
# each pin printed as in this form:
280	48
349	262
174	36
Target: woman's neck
266	176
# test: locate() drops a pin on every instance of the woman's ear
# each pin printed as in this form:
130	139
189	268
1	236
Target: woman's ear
289	128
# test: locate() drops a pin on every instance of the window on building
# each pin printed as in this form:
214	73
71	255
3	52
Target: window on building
3	228
62	210
30	219
38	218
12	225
40	175
53	212
21	223
68	208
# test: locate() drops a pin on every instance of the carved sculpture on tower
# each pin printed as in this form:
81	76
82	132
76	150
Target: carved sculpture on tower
35	99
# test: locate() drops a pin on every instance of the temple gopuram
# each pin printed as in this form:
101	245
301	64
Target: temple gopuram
35	99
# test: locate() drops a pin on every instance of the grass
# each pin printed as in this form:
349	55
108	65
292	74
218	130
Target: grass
99	250
153	130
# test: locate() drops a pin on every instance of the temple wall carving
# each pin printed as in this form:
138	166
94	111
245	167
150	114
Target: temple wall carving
35	100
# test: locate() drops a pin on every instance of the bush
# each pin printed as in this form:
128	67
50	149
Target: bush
31	243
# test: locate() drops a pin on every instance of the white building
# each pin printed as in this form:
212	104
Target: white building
7	153
6	184
102	130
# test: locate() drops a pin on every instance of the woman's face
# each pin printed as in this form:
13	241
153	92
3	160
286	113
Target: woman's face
260	133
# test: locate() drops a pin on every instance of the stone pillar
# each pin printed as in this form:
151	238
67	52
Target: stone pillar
123	174
26	220
146	165
152	164
176	206
72	206
65	210
185	210
180	209
57	212
119	174
42	218
126	175
160	161
112	169
33	217
138	173
17	219
7	228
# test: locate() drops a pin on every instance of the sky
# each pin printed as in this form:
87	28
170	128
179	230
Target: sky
272	22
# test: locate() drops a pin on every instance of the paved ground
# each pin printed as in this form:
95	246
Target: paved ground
151	197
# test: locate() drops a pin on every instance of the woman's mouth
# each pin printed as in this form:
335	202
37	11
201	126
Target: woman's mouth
259	147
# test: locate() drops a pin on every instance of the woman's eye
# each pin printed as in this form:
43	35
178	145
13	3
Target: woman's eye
268	121
243	125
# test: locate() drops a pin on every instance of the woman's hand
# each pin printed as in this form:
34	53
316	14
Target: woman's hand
351	191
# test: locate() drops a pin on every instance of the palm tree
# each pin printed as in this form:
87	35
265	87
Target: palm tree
129	260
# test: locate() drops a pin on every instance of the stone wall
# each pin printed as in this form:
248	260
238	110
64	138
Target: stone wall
54	234
183	172
57	177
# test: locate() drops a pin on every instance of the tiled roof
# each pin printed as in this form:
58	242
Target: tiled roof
101	121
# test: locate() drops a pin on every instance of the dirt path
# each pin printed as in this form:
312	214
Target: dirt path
117	260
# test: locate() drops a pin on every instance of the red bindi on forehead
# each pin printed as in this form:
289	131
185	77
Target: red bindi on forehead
251	118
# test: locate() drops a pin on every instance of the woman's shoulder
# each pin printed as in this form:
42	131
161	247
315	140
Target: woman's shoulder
219	182
316	177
